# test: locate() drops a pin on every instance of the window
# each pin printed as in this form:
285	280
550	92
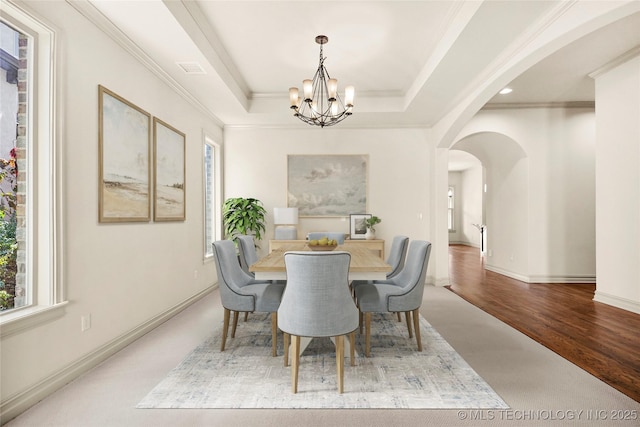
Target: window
36	289
212	193
450	213
12	100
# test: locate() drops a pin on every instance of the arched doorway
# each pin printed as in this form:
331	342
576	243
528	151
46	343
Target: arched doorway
502	205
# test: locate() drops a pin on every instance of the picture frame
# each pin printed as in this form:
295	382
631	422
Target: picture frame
169	172
358	227
327	185
124	140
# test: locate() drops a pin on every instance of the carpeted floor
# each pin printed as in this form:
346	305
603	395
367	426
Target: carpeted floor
540	387
395	376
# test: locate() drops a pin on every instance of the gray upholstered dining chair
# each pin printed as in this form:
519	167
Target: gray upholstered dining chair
401	293
397	255
317	303
396	258
240	292
333	235
247	253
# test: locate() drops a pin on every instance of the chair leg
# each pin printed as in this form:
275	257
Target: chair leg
360	322
399	317
407	315
416	326
235	324
286	348
225	328
367	334
352	349
246	315
274	333
295	362
340	362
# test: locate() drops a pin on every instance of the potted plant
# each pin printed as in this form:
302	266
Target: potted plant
243	216
371	223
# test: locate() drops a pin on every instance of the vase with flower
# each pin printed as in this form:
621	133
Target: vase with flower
371	223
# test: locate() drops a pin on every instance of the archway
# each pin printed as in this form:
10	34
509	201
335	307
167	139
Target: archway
504	200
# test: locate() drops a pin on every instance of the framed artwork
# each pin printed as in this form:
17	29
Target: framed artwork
358	226
169	172
327	185
124	139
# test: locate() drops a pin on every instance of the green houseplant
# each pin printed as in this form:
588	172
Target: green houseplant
243	216
372	222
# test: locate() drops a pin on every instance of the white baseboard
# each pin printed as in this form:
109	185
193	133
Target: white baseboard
15	405
623	303
587	279
443	281
507	273
464	243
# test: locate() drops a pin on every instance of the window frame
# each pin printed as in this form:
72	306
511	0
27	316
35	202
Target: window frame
215	205
45	297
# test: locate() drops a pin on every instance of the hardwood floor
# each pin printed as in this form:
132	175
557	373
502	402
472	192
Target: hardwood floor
601	339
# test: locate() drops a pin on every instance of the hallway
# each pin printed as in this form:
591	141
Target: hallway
601	339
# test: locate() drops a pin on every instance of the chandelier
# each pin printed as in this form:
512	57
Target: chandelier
321	105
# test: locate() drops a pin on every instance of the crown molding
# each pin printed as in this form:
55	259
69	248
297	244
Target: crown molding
519	105
89	11
625	57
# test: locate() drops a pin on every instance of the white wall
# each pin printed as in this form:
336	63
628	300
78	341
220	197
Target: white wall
400	181
618	186
540	203
472	205
455	181
123	275
468	206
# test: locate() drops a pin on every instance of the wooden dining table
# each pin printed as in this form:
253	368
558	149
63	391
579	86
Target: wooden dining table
365	264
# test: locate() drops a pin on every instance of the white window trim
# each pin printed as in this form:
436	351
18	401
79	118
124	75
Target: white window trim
217	202
45	296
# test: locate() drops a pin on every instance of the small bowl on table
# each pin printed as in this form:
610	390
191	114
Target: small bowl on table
322	247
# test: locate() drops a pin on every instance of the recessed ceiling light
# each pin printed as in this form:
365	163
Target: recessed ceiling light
505	91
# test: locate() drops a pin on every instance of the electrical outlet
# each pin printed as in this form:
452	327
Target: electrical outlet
85	322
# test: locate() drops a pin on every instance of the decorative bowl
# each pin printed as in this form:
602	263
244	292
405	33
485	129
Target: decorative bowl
322	247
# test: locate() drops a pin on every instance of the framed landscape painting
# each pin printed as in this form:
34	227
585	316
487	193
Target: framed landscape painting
124	139
327	185
169	172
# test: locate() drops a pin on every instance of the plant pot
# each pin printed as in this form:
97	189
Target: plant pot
370	234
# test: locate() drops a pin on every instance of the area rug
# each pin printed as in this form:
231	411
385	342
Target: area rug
396	375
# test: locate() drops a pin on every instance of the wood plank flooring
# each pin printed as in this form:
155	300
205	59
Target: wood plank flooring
601	339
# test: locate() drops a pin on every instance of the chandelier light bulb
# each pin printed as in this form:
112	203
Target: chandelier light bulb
307	86
332	87
349	93
293	97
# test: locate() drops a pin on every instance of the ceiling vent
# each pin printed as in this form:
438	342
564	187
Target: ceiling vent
191	67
